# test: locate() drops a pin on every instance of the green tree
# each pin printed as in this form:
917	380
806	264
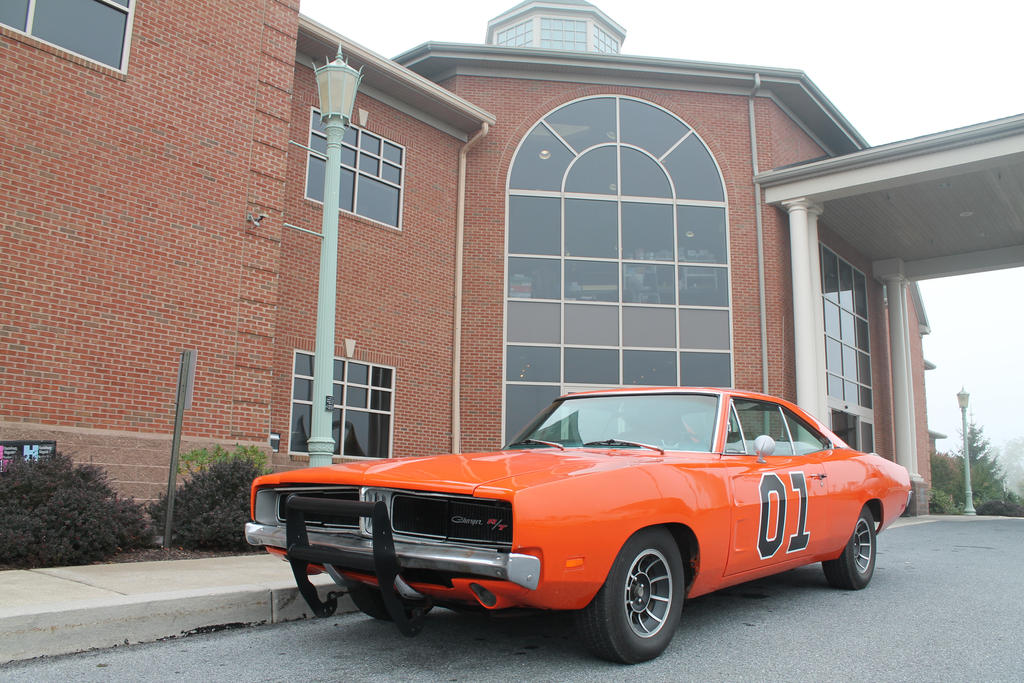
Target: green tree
988	482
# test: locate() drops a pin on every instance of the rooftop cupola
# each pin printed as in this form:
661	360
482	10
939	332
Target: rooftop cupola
556	25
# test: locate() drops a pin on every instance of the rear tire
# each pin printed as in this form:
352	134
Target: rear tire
853	569
635	614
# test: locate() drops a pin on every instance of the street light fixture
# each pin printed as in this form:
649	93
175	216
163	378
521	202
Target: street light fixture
962	398
337	83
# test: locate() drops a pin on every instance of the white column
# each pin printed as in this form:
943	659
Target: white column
819	316
804	335
902	409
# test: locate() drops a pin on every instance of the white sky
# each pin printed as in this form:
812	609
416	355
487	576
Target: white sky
896	69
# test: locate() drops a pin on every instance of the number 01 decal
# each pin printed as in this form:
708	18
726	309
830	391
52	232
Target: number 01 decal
772	486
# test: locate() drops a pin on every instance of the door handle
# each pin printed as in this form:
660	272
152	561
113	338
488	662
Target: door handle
818	476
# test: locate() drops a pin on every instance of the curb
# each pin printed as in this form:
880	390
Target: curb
57	629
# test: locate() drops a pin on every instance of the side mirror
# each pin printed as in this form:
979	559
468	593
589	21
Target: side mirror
764	445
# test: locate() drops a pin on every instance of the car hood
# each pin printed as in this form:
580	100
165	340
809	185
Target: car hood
489	474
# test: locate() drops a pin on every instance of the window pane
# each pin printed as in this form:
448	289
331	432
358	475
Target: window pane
705	369
647	231
832	320
830	275
591	280
758	418
845	285
382	377
391	173
595	172
585	123
701	234
703	329
358	373
849	329
864	368
339	394
369	143
865	397
648	284
648	327
851	393
88	28
377	201
592	366
835	386
591	325
301	420
849	363
339	370
316	122
315	178
355	397
304	364
649	368
392	153
694	172
368	164
860	294
302	389
867	436
350	137
346	183
863	337
540	162
357	433
534	225
533	278
380	400
534	322
348	156
523	402
642	176
702	286
833	355
648	127
319	143
14	13
805	439
533	364
591	228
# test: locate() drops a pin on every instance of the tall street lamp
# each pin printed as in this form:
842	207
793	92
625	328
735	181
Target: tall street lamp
962	399
337	83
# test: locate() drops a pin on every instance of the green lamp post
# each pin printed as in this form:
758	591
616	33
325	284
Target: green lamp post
337	83
962	398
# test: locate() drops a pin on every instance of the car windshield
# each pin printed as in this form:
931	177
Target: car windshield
671	421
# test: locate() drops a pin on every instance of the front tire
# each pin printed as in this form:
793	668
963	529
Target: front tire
853	569
635	614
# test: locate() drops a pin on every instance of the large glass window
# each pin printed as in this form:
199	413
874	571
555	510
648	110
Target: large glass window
847	346
372	172
97	29
363	403
618	264
563	34
520	35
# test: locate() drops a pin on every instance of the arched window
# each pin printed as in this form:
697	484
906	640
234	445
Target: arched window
617	255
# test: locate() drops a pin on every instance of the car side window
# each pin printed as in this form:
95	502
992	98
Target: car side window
759	417
806	439
734	436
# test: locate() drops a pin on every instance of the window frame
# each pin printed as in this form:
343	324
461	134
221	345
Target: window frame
356	148
342	405
129	12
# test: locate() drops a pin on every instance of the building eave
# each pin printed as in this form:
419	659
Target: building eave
791	88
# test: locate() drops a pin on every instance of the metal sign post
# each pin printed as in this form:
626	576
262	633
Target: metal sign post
186	381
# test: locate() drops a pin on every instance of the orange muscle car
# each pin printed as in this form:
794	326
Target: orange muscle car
617	504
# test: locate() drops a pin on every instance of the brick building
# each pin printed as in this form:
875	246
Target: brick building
519	219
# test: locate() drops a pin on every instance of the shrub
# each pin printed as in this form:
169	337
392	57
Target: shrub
941	503
56	513
212	507
199	459
1002	508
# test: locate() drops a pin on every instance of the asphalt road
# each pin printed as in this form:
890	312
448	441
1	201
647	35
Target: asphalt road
946	603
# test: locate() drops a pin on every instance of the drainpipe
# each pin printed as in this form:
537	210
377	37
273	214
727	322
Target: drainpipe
460	229
760	237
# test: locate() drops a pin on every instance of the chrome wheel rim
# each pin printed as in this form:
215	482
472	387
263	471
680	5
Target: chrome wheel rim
648	593
862	546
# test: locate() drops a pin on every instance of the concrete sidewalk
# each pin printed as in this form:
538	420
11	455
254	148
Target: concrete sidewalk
71	609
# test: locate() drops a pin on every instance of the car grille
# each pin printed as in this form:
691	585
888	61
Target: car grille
453	519
314	519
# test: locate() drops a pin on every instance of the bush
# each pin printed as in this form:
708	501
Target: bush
941	503
212	507
199	459
1002	508
56	513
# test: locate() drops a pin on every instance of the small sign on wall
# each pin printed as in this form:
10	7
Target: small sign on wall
25	450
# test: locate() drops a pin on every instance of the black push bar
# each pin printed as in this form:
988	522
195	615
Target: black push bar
383	562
